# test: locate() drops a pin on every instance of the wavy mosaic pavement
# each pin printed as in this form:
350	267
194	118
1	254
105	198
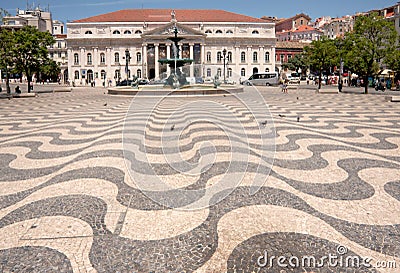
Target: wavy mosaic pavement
74	199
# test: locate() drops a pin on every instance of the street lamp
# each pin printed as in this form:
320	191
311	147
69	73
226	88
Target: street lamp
127	59
224	58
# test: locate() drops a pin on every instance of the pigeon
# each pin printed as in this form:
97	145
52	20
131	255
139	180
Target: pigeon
297	98
282	116
224	95
298	119
172	127
105	104
264	123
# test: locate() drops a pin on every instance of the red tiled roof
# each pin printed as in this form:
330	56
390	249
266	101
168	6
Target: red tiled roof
304	28
164	15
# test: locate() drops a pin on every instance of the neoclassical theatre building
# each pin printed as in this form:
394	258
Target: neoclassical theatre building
98	46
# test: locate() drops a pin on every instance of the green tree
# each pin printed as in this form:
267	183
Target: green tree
321	54
30	51
392	60
298	62
6	54
372	39
50	69
3	13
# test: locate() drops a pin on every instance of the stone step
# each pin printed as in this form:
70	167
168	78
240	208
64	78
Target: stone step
395	99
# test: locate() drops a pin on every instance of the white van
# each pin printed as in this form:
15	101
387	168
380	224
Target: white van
267	78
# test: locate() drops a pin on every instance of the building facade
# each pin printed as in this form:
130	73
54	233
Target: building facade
338	27
98	46
38	18
292	23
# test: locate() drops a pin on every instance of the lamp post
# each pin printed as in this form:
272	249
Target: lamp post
127	59
224	60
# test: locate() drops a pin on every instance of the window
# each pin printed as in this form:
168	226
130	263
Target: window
218	31
267	57
229	72
301	22
208	57
139	73
243	72
219	56
102	58
89	58
138	32
138	57
59	54
208	31
289	56
243	57
59	44
255	57
127	32
103	74
117	75
208	72
229	56
76	59
267	69
116	57
219	72
282	57
255	32
76	75
229	32
116	32
88	32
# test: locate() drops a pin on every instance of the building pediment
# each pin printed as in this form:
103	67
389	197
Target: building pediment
168	31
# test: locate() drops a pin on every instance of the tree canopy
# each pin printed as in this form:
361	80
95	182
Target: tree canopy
321	54
30	51
6	53
372	40
298	62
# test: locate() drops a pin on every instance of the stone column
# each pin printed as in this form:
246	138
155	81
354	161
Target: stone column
71	74
191	56
83	63
261	59
168	57
144	64
109	72
95	60
272	59
249	61
236	60
157	65
203	60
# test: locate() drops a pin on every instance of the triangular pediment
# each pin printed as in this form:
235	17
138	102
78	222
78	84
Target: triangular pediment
168	31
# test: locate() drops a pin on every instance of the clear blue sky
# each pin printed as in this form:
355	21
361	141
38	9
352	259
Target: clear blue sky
77	9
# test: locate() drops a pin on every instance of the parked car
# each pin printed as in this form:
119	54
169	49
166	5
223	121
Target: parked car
143	81
268	78
125	83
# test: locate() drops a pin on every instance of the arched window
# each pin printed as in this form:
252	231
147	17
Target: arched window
209	57
229	56
267	57
208	72
229	72
138	32
88	32
219	72
255	57
139	73
127	32
76	75
116	57
138	57
255	32
267	69
89	58
102	58
76	59
208	31
243	57
229	32
103	74
219	56
255	70
116	32
243	72
218	31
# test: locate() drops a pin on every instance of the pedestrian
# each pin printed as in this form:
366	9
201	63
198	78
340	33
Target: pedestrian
340	85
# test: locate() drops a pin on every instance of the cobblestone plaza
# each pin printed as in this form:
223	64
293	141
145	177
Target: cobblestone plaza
68	202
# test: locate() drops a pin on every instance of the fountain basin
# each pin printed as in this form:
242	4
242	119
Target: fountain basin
187	90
